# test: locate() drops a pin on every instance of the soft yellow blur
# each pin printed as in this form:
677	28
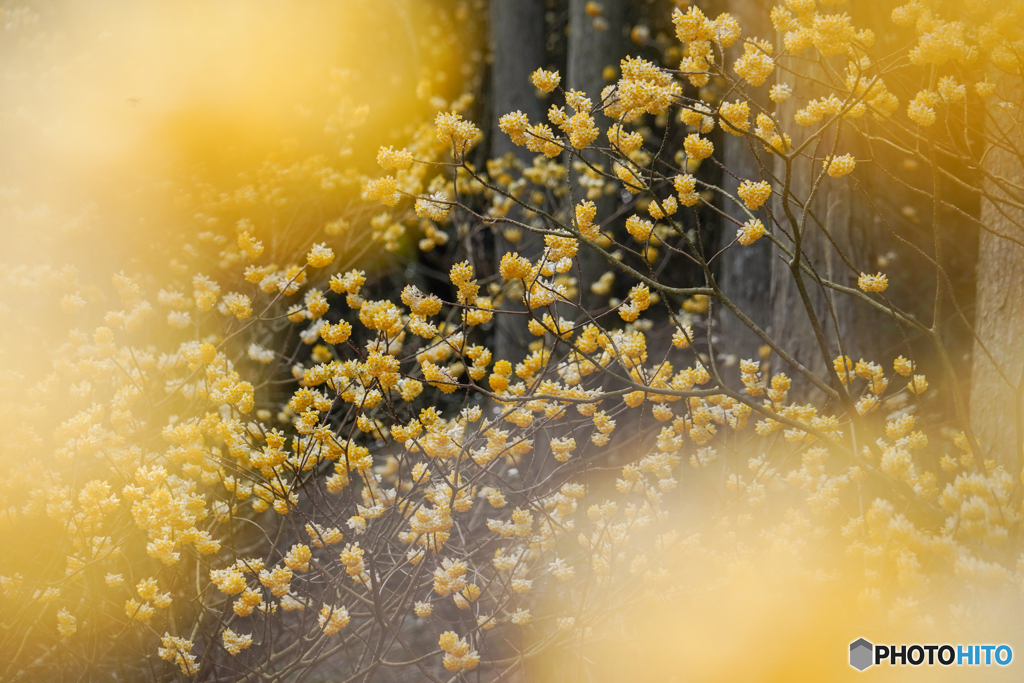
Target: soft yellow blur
769	621
114	107
125	128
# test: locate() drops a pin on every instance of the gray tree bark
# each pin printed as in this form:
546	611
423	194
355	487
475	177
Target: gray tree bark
999	304
517	48
594	43
850	225
743	272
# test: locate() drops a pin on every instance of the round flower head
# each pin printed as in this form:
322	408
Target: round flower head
545	81
320	255
736	117
751	231
383	190
435	208
698	147
839	166
639	228
756	63
780	92
391	159
754	195
873	283
515	125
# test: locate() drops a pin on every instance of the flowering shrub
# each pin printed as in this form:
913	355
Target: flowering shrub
313	464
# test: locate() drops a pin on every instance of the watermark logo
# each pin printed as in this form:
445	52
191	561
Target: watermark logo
864	654
861	654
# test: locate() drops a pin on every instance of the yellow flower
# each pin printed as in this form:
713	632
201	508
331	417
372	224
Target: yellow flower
736	115
756	63
780	92
698	147
751	231
453	130
515	125
333	619
685	186
639	228
754	195
586	211
873	283
840	166
545	81
235	642
319	256
249	245
384	190
394	160
659	209
66	623
514	267
336	334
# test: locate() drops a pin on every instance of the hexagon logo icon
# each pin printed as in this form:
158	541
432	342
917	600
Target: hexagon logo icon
861	654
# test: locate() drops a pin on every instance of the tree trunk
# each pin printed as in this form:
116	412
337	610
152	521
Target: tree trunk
999	309
850	225
742	272
517	48
594	43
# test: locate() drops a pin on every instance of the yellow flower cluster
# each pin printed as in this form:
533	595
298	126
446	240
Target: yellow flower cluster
643	89
458	656
333	619
754	195
545	81
327	393
873	283
750	232
839	166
